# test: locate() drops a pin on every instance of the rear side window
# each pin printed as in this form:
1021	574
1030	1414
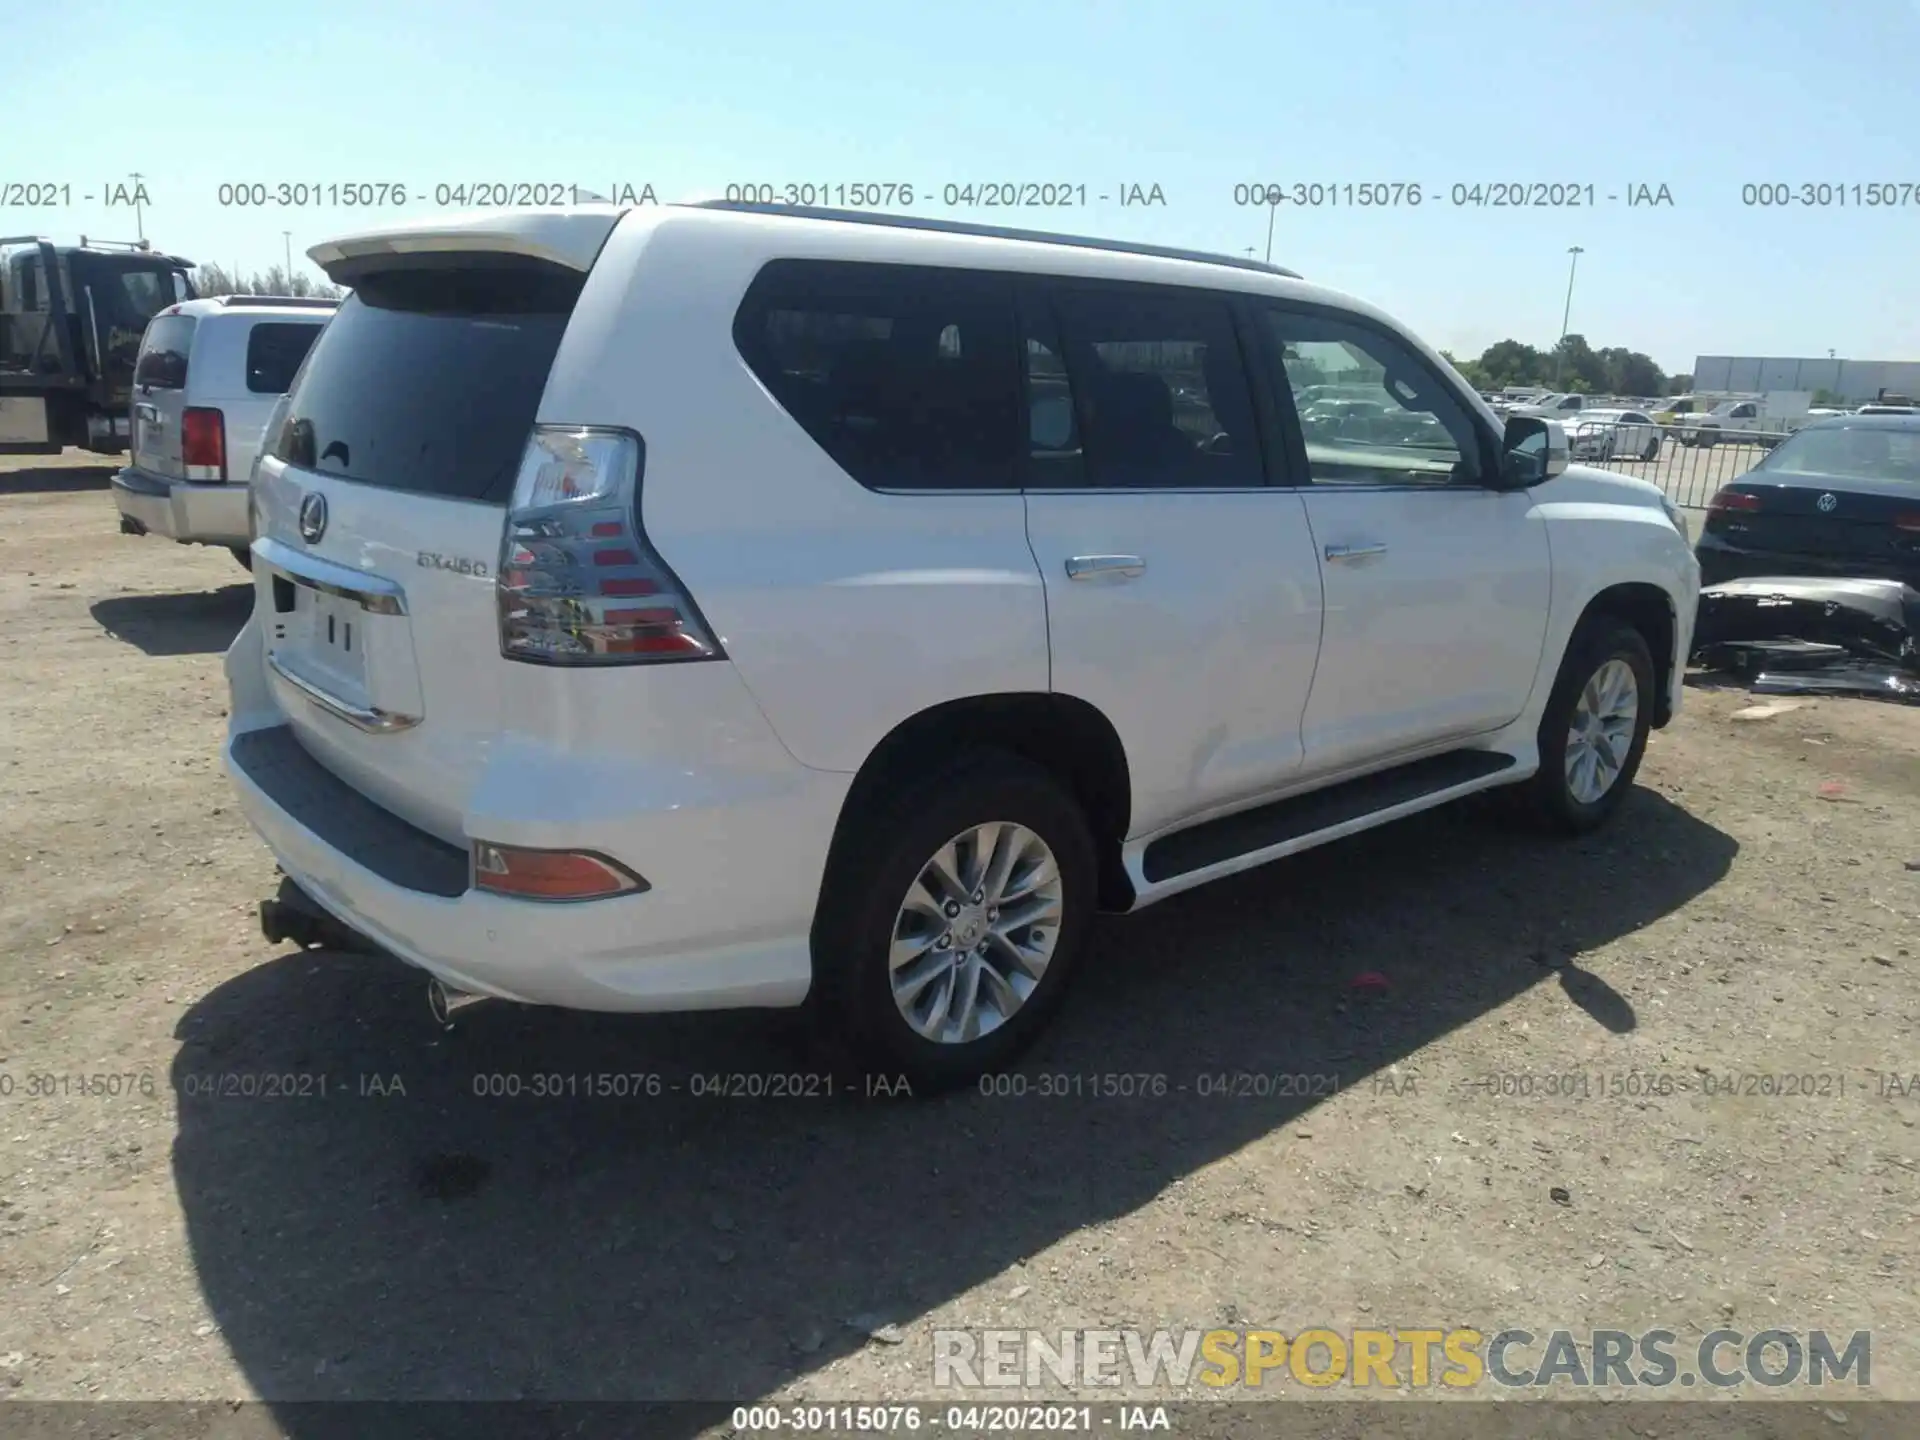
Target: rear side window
274	353
907	376
427	380
1163	398
163	353
1164	402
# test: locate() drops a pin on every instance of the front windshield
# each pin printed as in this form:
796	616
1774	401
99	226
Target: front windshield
1850	453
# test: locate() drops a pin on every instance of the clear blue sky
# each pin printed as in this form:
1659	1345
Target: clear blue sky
1195	97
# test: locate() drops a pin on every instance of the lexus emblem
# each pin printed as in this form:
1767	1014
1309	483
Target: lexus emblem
1827	502
313	516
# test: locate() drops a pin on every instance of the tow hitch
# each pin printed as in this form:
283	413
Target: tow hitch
293	916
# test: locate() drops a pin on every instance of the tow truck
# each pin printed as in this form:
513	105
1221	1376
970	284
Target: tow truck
71	318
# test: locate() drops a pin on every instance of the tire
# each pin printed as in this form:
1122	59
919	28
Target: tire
1553	798
1652	452
886	858
1704	437
243	555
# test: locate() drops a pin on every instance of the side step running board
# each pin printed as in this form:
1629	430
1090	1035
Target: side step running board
1216	841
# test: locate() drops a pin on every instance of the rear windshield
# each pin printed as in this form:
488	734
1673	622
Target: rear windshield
1850	452
163	353
428	380
274	352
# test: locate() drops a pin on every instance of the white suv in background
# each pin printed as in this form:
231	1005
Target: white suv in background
208	374
706	606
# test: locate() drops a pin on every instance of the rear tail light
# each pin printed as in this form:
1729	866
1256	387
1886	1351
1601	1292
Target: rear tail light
1734	500
578	582
550	874
203	444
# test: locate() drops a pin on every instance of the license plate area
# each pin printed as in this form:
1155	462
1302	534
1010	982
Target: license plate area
330	637
336	640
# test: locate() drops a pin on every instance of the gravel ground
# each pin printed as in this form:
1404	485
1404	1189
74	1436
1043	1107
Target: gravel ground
1751	913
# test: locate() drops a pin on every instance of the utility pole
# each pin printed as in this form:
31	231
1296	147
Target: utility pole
139	221
1273	208
287	235
1559	350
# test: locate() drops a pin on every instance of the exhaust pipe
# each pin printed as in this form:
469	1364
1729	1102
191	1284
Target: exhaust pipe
444	1002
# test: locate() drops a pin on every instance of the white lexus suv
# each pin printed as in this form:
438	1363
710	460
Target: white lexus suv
724	605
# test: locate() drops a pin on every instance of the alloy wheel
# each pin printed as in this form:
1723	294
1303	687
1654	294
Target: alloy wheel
1600	736
975	933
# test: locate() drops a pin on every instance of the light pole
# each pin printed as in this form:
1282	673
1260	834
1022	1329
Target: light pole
287	235
1559	350
1273	208
139	221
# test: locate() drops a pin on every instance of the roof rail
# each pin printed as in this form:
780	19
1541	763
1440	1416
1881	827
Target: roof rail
993	232
135	245
310	302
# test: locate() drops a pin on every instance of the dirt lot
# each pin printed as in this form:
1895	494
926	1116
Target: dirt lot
1751	914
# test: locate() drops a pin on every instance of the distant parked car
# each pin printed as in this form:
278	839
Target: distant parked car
1840	497
1754	420
208	375
1553	407
1613	435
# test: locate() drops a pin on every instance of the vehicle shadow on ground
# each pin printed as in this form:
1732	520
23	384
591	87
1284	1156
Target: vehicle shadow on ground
437	1244
56	479
197	622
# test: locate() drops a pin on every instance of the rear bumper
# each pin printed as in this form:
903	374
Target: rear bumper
1720	562
735	875
207	514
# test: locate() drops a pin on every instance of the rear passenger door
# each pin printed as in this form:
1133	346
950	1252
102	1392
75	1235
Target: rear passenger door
1183	593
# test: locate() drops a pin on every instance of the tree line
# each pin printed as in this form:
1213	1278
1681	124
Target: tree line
1572	365
212	280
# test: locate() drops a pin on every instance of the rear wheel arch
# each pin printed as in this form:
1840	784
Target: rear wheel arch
1649	609
1064	735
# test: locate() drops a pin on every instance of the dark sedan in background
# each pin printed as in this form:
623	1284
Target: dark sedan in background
1841	497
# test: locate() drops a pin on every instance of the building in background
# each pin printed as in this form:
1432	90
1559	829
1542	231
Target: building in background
1854	380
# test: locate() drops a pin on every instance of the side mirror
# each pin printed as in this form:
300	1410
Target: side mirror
1532	451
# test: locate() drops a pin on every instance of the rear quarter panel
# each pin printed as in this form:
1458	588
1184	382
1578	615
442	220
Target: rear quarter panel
845	611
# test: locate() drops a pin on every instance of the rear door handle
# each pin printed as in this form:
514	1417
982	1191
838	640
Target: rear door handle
1355	552
1101	567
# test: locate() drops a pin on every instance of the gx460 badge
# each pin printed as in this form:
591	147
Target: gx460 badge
459	564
